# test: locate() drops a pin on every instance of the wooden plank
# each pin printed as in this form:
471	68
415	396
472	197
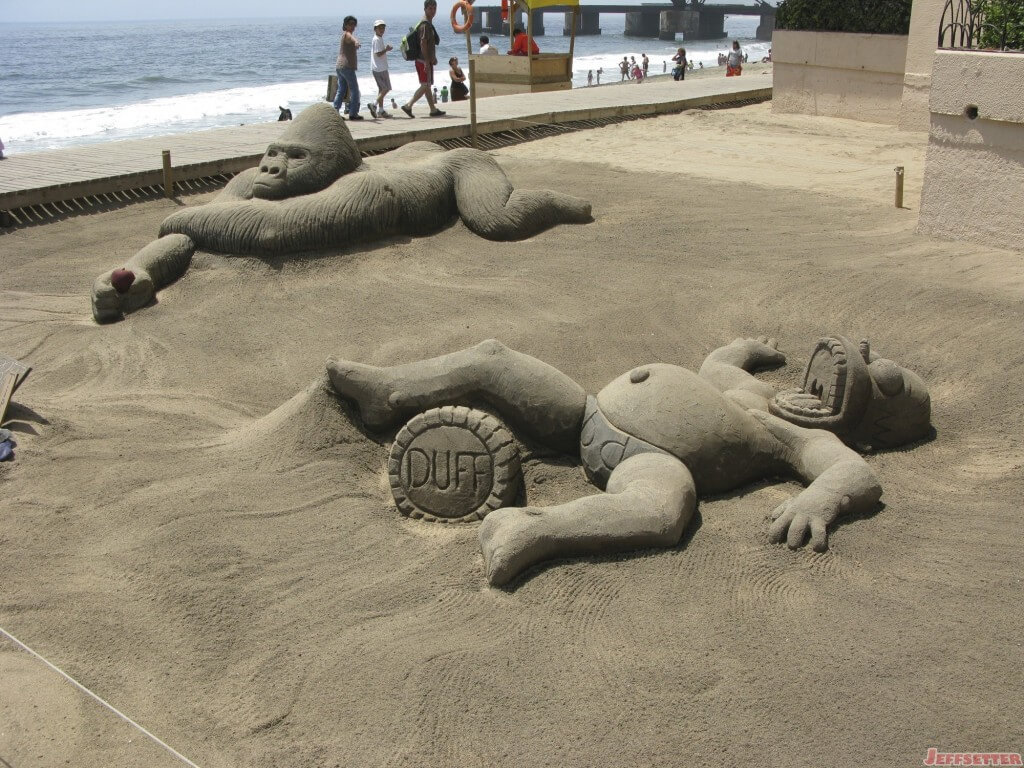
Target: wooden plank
6	391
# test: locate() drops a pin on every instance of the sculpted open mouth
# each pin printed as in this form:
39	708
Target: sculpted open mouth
833	393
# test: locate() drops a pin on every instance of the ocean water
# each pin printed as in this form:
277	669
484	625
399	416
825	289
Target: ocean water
71	84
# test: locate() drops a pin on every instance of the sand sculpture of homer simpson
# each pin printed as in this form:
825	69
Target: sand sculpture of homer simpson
660	435
313	191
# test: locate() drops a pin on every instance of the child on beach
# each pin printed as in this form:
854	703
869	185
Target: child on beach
590	78
379	67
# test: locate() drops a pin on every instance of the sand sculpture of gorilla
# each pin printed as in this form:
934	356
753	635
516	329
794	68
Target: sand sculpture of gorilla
660	435
313	191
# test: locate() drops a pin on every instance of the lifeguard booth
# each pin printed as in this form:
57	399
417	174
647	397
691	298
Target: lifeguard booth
503	74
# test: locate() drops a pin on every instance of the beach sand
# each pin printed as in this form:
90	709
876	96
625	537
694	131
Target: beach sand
196	530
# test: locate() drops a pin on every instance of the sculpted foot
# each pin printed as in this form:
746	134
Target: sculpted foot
512	540
119	292
369	386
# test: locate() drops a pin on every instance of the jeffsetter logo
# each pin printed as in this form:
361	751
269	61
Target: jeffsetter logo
934	757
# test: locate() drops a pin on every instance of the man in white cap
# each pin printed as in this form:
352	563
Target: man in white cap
379	67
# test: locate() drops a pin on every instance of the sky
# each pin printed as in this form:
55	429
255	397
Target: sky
130	10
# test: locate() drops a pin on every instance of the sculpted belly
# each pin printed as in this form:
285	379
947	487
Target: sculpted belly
675	410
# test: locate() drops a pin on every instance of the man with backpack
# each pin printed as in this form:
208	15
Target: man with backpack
426	59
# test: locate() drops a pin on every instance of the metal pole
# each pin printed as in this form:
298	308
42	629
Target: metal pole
472	103
899	186
168	177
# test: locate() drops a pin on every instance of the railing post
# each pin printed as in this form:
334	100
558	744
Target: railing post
472	103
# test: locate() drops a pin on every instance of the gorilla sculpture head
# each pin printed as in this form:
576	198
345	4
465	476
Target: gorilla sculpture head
312	153
867	400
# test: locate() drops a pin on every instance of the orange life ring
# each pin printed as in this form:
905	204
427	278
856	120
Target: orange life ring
467	12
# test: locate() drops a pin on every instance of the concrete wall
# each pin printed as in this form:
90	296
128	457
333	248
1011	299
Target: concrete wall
974	168
839	74
921	43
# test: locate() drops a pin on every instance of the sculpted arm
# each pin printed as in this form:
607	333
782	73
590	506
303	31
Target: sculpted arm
840	483
730	369
133	285
359	206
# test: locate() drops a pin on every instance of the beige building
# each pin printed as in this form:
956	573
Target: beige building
971	103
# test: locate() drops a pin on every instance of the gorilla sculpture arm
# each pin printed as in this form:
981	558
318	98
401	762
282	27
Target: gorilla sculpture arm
313	191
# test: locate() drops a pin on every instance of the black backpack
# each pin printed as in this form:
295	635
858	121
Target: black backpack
410	45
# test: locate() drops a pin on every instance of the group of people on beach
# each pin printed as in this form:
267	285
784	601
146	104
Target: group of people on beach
425	48
631	70
426	36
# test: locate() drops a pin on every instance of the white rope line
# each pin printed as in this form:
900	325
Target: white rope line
86	691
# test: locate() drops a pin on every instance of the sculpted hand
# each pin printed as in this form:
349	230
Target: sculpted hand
120	291
809	511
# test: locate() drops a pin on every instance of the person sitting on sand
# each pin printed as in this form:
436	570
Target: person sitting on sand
313	191
519	42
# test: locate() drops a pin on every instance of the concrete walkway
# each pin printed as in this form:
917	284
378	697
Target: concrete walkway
65	174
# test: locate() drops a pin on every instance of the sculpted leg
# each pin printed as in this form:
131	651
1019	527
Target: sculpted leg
531	394
649	502
730	369
492	208
134	285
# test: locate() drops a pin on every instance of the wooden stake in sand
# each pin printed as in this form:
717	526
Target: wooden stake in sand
899	186
12	374
168	177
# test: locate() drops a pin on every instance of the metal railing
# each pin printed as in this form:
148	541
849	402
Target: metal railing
990	25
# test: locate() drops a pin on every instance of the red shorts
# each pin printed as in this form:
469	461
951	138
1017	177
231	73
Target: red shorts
425	72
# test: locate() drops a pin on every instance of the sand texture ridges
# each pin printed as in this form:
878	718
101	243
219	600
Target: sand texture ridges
195	529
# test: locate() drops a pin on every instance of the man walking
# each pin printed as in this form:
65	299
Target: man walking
379	67
346	65
426	61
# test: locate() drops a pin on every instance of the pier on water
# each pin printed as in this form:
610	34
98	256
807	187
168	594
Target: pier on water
699	21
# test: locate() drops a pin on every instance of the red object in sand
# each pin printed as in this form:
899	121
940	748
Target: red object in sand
122	280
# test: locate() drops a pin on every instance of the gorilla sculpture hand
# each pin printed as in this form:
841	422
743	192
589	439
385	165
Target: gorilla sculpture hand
658	435
313	191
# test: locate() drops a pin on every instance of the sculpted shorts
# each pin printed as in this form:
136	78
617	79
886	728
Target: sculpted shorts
425	72
383	81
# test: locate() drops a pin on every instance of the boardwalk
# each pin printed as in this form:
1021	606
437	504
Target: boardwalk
67	174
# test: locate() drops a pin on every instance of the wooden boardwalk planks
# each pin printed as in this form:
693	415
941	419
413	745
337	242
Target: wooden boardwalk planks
65	174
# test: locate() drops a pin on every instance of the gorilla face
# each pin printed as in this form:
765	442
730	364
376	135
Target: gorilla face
865	399
287	170
314	151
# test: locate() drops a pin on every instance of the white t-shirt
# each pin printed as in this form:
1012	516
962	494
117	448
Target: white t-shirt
378	63
735	57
